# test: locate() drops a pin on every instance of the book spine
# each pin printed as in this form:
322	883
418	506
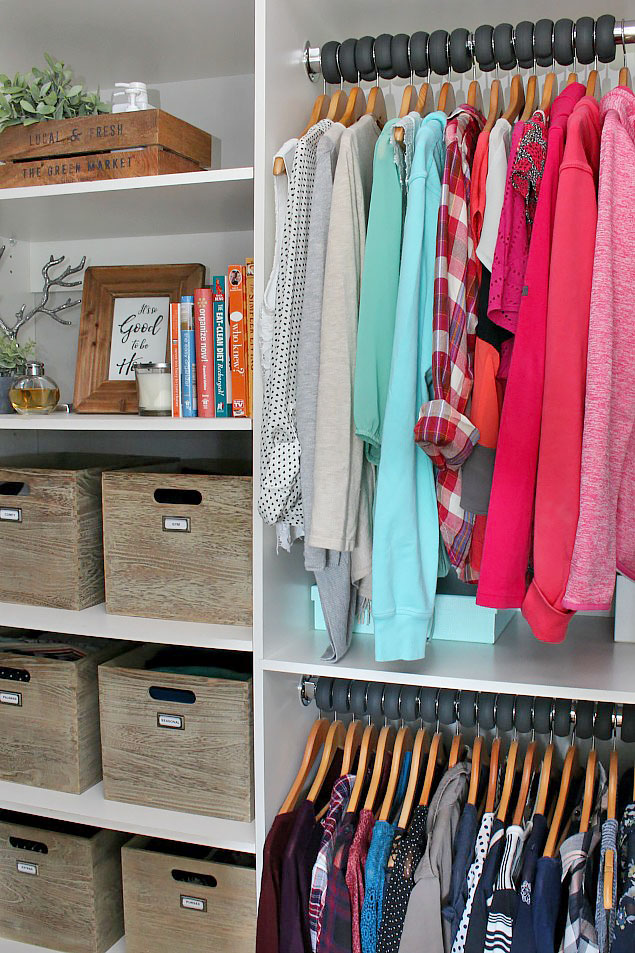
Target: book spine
188	357
249	288
204	351
175	351
236	295
220	346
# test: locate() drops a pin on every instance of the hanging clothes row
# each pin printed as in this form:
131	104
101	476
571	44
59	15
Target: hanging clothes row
397	846
461	285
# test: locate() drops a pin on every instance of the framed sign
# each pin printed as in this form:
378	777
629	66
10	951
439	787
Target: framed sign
125	319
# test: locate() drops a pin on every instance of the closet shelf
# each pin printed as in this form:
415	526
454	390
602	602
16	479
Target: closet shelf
588	666
118	422
97	622
12	946
93	809
186	203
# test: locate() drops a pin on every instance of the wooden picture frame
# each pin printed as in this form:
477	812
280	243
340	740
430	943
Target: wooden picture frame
95	393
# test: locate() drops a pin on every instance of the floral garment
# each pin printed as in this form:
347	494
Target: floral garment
624	937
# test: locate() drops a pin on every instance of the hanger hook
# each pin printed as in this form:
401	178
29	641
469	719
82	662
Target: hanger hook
339	69
624	41
436	708
412	72
595	714
401	721
383	710
514	728
471	43
418	709
428	58
614	720
495	715
477	697
552	716
375	64
457	712
574	721
553	47
573	44
447	52
595	66
370	720
348	699
513	42
532	713
496	73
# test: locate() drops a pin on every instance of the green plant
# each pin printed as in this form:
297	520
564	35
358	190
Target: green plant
13	355
45	94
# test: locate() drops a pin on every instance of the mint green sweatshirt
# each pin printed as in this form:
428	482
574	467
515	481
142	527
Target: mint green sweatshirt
406	531
378	296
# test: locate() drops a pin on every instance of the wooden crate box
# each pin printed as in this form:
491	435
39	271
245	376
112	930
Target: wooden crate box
49	714
178	741
178	897
60	884
51	551
179	546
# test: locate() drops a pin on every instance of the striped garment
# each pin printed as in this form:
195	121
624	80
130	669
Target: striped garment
443	430
502	911
576	854
605	919
340	796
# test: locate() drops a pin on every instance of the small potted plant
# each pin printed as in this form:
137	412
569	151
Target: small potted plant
13	360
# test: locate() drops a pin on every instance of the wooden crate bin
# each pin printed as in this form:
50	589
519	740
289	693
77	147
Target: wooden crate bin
175	740
179	546
51	551
179	897
49	713
60	884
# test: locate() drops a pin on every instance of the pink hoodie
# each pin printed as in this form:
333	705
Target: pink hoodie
558	482
605	538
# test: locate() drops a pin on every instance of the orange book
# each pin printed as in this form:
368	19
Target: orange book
249	290
204	337
238	339
175	353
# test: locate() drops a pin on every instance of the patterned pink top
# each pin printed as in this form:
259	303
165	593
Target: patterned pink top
355	871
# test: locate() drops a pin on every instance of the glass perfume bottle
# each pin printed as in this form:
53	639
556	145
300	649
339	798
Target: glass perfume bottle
34	393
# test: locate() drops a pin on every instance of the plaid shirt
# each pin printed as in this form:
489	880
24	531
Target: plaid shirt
340	796
576	854
337	931
443	430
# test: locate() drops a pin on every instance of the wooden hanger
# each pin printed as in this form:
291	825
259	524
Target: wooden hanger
424	105
495	110
320	111
570	763
549	92
525	784
420	747
516	99
408	100
403	743
335	738
385	743
355	107
589	790
314	743
352	744
508	784
456	749
435	756
447	99
531	97
338	106
367	749
593	84
492	784
625	73
377	106
475	95
545	779
475	775
611	815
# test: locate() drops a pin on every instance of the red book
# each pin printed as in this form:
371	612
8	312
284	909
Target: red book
238	339
204	336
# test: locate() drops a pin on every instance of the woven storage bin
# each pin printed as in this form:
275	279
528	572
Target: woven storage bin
178	741
60	884
51	529
179	546
49	714
179	897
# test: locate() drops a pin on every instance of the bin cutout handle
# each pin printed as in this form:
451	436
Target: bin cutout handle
189	877
181	696
20	843
14	488
177	497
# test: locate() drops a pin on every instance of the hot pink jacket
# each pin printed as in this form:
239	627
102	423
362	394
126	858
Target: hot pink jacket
509	519
605	539
558	482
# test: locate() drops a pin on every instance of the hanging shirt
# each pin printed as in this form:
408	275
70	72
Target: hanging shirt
523	938
576	855
463	849
503	583
402	880
336	930
355	872
557	501
406	530
624	938
473	878
267	932
378	295
343	483
340	797
432	876
477	929
443	430
297	865
478	191
605	538
504	903
605	919
497	160
280	498
545	903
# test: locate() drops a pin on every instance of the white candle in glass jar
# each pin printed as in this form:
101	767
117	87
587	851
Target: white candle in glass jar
154	389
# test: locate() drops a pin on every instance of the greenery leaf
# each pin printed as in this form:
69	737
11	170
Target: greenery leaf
27	106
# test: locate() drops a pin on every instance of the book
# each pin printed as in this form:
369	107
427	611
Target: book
188	357
175	357
220	346
204	338
249	291
236	307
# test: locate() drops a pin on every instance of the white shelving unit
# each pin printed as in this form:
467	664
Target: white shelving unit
123	422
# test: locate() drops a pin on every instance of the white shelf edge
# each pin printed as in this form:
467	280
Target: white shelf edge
589	666
93	809
98	623
13	946
241	174
123	422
